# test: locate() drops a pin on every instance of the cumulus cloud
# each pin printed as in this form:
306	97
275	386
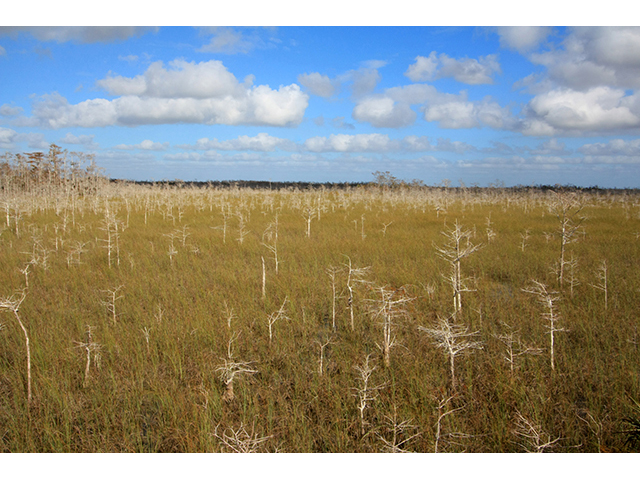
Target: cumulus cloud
414	143
588	86
469	70
181	80
452	114
564	110
263	142
7	110
9	138
372	142
423	69
466	70
595	56
459	112
317	84
522	39
79	34
365	81
186	92
383	111
392	109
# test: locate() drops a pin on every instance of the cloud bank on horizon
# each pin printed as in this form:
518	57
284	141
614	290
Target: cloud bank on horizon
524	105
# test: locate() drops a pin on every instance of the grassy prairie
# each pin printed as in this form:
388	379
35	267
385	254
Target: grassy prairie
185	267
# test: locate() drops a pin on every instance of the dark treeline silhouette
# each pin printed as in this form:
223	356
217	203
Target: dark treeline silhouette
252	184
270	185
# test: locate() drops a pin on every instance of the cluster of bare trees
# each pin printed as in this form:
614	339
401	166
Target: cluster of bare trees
54	171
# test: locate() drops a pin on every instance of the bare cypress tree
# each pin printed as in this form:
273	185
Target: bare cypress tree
387	309
548	300
13	304
602	284
365	393
228	373
458	246
566	207
454	338
354	276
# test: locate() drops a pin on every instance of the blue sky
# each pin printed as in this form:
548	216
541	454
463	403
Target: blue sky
521	105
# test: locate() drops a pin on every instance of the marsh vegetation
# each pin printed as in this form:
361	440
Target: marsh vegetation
380	317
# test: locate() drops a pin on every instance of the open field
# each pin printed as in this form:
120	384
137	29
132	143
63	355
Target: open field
156	319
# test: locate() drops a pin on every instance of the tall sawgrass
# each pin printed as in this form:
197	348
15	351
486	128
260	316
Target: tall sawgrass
155	385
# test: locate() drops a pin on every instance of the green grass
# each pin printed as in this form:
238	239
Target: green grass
166	395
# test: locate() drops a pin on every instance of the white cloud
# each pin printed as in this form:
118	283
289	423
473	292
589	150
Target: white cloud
79	34
469	70
341	143
86	140
595	56
7	137
424	69
227	40
617	46
262	142
365	81
466	70
589	84
205	93
181	80
373	142
7	110
2	51
392	109
452	115
413	143
144	145
54	111
613	147
459	112
383	111
522	39
123	85
320	85
574	112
